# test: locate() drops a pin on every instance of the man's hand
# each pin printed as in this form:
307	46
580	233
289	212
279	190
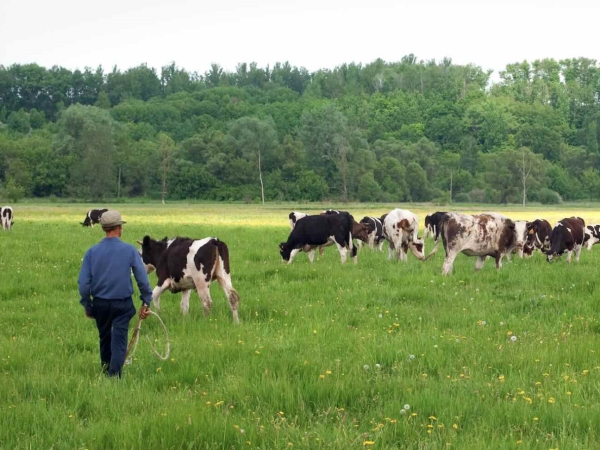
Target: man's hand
144	312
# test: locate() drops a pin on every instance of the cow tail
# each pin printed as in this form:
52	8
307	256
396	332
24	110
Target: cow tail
442	231
223	252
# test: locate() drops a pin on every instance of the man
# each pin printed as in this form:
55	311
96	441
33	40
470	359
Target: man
106	289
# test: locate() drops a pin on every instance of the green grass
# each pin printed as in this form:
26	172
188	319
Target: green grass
292	374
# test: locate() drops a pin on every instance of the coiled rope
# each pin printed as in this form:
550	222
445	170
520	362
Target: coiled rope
131	348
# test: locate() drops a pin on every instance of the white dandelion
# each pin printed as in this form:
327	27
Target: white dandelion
513	338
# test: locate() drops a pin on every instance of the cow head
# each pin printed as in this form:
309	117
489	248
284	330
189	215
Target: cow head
87	222
360	231
556	244
151	251
521	233
285	251
418	248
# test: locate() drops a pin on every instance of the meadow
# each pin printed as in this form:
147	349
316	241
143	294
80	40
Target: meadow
326	355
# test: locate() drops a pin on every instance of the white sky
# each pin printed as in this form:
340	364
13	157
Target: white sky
310	33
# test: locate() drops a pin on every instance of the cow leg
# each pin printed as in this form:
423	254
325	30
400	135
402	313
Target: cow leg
224	280
569	254
292	254
391	251
380	246
577	252
203	289
448	262
498	258
479	263
343	251
158	291
354	254
311	255
321	248
185	301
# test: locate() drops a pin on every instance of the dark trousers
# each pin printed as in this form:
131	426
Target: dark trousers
112	319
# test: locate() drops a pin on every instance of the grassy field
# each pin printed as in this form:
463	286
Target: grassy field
326	356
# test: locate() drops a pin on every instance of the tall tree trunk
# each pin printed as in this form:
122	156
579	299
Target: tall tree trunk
164	185
262	187
119	185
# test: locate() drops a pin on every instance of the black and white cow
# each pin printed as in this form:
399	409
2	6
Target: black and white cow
537	232
401	231
375	232
480	235
567	236
316	231
359	231
593	235
432	224
184	264
6	217
93	217
294	217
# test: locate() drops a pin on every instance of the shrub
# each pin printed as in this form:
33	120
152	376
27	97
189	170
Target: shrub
548	197
462	197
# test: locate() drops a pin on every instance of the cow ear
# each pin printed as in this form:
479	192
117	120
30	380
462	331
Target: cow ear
140	242
165	239
281	245
146	240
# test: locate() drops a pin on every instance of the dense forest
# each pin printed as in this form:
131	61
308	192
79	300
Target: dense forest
387	131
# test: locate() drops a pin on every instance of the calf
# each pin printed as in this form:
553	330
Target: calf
480	235
317	231
537	232
567	236
432	224
593	235
93	217
374	227
6	217
401	231
294	217
184	264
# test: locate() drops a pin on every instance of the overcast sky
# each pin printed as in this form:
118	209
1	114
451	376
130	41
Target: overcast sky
312	33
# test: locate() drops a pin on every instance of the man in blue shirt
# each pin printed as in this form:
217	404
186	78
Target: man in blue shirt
106	290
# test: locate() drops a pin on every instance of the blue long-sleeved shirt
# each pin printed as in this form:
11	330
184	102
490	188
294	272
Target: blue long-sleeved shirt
106	272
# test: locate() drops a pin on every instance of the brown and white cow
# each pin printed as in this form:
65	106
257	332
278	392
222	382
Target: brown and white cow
6	217
521	233
294	217
537	232
481	235
593	235
568	235
402	233
184	264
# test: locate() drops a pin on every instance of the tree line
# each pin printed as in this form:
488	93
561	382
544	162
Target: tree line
410	130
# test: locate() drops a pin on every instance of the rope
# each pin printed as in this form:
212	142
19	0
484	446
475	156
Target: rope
131	348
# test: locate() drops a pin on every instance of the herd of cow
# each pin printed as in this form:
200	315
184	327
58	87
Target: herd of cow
481	235
183	264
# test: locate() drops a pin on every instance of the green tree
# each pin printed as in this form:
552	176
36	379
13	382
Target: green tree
256	140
